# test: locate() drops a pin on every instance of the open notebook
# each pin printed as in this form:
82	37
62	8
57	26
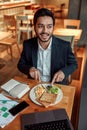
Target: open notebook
15	88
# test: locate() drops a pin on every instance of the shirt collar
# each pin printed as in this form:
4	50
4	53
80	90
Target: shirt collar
48	48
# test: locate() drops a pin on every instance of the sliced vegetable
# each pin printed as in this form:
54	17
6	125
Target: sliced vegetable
53	89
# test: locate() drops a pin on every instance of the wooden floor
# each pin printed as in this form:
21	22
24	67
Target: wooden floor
9	70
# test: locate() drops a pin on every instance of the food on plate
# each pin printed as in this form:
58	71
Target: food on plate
45	104
39	91
52	89
47	99
46	95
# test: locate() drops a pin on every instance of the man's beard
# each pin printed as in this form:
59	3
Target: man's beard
45	40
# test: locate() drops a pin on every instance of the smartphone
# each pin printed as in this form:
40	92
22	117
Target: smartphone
18	108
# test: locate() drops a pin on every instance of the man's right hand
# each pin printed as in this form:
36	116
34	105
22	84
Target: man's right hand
34	73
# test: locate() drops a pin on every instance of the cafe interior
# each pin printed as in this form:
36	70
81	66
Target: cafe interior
70	16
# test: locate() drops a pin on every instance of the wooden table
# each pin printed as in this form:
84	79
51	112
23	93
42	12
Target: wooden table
35	6
68	32
66	102
7	40
4	35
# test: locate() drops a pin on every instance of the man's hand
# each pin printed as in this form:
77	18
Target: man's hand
34	73
58	77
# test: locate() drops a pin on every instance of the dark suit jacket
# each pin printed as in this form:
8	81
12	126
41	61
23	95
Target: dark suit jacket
62	57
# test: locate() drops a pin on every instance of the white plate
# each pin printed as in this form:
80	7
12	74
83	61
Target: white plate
33	96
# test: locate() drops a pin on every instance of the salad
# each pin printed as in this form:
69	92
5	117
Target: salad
53	89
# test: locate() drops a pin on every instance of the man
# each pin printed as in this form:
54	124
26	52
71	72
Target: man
45	57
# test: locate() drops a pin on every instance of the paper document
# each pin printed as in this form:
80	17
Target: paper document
5	105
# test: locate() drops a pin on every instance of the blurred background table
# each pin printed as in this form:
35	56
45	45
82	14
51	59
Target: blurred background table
4	35
69	32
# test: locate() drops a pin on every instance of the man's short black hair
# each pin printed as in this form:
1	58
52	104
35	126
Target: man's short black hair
43	12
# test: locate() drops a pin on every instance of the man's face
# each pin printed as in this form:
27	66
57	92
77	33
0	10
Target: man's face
44	28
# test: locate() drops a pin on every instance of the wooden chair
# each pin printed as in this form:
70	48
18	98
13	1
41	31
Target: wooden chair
9	42
71	40
71	23
23	28
10	23
61	12
28	12
77	82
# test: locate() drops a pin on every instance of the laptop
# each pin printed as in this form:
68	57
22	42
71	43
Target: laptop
42	120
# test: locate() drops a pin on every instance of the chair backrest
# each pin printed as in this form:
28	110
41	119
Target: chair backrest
9	21
22	17
23	25
20	21
28	12
69	39
71	23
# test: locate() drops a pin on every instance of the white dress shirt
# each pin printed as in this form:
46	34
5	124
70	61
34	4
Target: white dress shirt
44	62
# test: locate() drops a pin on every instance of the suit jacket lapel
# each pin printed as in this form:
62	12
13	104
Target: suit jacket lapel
54	51
53	55
34	53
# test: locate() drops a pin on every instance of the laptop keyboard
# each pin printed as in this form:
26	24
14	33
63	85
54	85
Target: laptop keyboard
54	125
